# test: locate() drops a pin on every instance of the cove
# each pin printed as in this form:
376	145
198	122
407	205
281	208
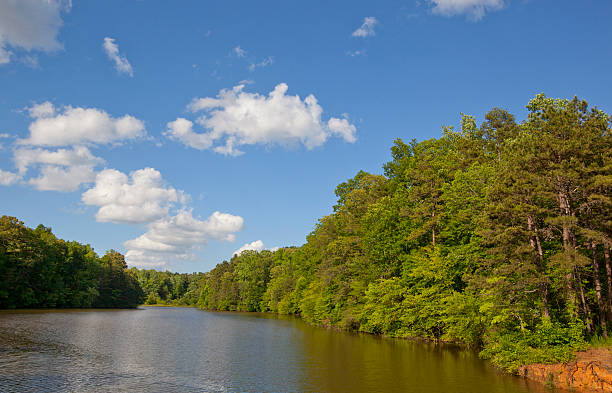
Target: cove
158	349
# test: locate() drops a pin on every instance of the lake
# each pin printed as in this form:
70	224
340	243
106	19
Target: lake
155	349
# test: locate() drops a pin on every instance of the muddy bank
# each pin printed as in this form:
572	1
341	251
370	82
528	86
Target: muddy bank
591	371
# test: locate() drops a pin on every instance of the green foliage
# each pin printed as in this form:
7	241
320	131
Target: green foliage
384	309
167	288
38	270
548	343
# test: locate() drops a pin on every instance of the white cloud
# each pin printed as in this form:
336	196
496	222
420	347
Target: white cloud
138	198
122	65
342	128
175	238
474	9
264	63
45	109
367	27
239	52
61	170
65	169
5	55
57	178
8	178
76	156
30	25
182	130
257	245
237	118
73	126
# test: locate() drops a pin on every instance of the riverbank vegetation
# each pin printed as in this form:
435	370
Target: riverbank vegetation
169	289
495	235
38	270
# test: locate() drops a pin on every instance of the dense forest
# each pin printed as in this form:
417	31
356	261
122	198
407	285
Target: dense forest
497	236
38	270
167	288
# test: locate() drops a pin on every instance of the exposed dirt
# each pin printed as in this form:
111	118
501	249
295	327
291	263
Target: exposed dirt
591	371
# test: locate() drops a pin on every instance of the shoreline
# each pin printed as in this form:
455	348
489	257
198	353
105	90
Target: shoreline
590	371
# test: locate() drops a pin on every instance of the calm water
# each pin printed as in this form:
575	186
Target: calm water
189	350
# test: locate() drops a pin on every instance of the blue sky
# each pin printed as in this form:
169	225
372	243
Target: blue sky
178	132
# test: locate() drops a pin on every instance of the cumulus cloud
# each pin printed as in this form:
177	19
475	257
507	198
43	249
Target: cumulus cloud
75	156
175	237
44	109
122	65
138	198
60	170
74	126
65	179
8	178
65	169
236	118
474	9
182	129
367	27
30	25
257	245
142	197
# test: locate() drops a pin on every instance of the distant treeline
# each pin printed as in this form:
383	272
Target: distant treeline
38	270
167	288
497	236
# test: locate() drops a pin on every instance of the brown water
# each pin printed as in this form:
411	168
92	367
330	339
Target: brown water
189	350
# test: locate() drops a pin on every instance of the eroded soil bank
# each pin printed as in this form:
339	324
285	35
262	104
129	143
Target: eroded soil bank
591	371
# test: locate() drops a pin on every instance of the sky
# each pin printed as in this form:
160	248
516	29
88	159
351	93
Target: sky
181	132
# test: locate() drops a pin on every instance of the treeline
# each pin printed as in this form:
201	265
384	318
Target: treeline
167	288
38	270
497	236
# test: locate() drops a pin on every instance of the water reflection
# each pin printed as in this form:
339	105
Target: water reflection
188	350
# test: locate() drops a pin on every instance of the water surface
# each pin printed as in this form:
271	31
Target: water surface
188	350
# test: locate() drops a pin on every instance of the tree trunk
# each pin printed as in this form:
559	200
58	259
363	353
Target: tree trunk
539	262
564	207
433	236
600	305
608	276
433	228
585	306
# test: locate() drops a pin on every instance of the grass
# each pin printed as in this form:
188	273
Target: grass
600	342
